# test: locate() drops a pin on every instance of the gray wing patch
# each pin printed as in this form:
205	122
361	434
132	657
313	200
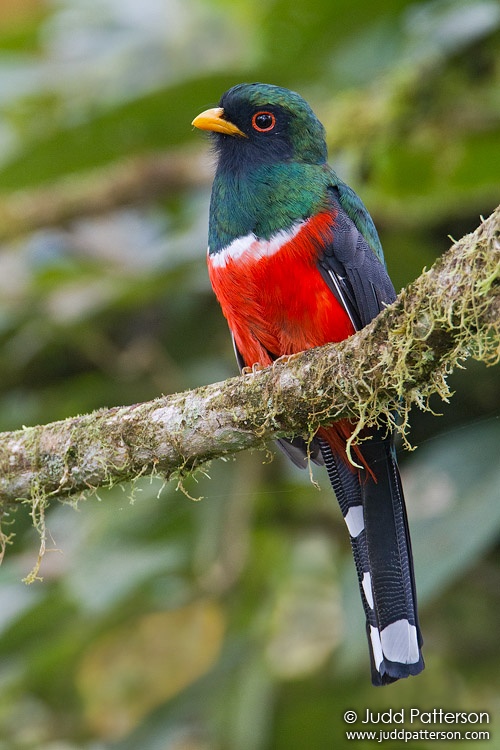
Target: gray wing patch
354	273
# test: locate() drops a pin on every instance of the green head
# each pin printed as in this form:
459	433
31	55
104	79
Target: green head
258	123
271	162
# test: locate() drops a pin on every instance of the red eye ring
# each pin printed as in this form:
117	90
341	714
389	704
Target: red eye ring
268	121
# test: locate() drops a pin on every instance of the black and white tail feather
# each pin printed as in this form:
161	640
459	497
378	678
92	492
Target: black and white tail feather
374	512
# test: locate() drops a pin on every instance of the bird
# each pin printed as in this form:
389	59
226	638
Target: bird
295	262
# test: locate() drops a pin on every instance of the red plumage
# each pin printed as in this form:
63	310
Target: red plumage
280	304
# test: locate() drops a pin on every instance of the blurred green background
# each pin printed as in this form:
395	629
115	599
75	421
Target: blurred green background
233	623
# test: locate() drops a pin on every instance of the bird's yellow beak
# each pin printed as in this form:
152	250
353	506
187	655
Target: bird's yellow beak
213	119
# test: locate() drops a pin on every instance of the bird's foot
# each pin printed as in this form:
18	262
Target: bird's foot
256	367
287	358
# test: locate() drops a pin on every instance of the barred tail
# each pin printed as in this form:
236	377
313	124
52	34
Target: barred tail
373	507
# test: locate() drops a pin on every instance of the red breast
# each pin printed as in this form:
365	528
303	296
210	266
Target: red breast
273	295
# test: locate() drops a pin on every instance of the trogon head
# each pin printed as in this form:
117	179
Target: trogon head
257	123
271	167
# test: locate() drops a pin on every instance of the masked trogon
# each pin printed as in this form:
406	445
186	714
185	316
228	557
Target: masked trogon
295	261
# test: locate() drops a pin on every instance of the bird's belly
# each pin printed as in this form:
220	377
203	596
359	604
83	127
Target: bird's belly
278	304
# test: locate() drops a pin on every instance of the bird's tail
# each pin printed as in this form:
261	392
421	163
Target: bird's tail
373	507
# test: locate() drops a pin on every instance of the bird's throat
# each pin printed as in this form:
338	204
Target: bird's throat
264	202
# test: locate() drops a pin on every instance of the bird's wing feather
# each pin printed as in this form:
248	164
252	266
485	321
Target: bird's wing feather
353	270
356	210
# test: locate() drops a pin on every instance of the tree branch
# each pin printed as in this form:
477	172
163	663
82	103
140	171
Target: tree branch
449	313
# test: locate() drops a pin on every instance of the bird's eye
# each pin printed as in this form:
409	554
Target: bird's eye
263	122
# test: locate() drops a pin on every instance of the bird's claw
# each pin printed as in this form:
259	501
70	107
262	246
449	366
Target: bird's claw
287	357
256	367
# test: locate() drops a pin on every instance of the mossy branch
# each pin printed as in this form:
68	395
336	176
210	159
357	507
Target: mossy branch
449	313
